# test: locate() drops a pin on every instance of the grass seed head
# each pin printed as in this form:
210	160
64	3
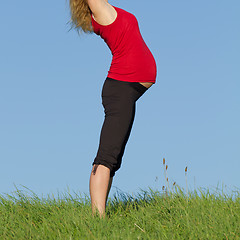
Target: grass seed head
163	161
166	167
185	169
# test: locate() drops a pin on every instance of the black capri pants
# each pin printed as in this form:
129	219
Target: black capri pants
119	102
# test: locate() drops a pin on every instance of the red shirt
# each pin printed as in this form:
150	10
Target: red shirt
132	60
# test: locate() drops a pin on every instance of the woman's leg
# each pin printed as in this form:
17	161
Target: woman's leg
119	106
99	185
109	187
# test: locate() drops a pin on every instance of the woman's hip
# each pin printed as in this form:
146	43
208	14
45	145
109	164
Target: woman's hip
116	90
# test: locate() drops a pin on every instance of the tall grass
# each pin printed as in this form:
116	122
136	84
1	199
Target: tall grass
168	214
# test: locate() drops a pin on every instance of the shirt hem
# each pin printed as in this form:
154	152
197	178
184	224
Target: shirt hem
130	80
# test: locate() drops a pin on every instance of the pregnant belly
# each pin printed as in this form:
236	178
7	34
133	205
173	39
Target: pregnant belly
146	84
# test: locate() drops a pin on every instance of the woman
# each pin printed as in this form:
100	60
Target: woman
132	73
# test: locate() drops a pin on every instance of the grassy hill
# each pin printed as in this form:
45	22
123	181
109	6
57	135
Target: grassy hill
150	215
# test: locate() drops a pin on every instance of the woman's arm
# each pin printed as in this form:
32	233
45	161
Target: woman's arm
97	6
103	12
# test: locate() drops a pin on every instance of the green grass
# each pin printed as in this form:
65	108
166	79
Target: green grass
150	215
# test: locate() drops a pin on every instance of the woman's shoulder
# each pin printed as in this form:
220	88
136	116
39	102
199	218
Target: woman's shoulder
104	14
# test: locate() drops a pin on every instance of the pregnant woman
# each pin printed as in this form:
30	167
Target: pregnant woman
133	71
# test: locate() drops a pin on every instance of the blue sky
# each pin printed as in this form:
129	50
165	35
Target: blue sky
50	97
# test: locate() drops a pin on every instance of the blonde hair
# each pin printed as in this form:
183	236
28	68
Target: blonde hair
80	16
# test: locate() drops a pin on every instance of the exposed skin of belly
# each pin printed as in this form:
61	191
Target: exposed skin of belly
146	84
